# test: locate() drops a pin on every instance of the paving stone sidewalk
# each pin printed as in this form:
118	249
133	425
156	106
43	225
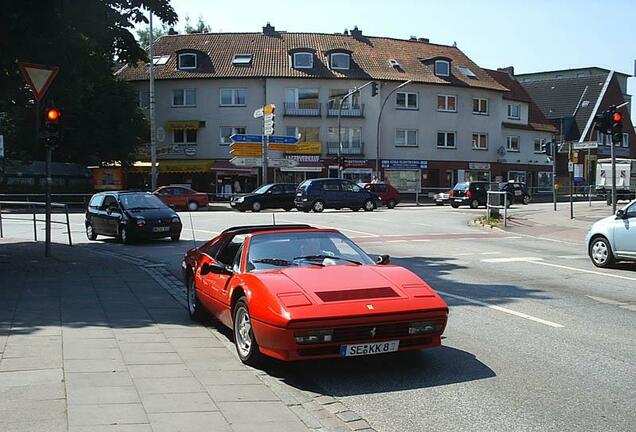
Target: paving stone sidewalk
91	343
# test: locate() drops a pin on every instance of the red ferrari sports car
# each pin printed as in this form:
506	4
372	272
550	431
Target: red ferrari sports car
294	292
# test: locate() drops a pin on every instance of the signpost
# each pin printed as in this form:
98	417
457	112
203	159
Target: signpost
585	145
258	162
39	77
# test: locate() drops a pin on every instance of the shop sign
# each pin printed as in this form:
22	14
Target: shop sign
479	165
404	164
183	124
356	163
108	179
304	158
313	148
185	166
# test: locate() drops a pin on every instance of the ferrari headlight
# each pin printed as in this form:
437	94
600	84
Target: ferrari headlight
417	328
314	336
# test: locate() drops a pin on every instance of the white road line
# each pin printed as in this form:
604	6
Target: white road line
511	259
572	256
489	253
332	227
584	270
546	239
420	240
502	309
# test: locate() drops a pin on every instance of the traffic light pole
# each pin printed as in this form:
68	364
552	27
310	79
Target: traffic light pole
554	156
48	180
613	156
153	133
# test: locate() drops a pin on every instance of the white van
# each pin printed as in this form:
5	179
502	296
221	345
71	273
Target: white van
625	179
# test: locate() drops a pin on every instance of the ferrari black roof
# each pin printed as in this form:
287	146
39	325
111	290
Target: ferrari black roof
246	229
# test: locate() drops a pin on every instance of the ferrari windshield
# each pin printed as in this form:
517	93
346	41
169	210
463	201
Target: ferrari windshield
308	248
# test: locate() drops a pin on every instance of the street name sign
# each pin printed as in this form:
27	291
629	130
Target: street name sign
283	163
39	77
258	113
247	161
585	145
243	138
282	139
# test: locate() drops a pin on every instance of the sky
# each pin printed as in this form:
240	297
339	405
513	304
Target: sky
531	35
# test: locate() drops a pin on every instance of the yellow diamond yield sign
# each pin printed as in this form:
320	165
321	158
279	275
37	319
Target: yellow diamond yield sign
39	77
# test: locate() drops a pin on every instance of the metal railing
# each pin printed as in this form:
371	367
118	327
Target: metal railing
347	111
71	199
347	149
302	109
33	205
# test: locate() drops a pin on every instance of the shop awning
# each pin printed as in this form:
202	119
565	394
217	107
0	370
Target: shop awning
185	166
184	124
225	165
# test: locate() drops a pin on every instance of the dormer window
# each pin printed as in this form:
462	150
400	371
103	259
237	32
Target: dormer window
187	61
303	60
442	68
340	61
242	60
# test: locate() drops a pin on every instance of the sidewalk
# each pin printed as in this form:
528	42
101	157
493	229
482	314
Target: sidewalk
543	221
92	343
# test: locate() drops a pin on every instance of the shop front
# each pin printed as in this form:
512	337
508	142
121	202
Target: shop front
404	175
477	171
309	166
228	179
357	170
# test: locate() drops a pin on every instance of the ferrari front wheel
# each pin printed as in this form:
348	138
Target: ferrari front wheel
246	345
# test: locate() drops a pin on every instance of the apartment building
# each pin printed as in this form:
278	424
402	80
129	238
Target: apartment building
452	121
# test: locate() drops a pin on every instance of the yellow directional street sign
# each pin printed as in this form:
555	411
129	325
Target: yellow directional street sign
245	146
246	152
283	147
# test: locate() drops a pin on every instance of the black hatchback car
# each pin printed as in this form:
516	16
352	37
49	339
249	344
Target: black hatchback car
473	194
517	192
130	215
276	195
322	193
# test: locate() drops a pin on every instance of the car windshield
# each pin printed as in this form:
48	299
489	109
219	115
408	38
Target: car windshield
461	186
311	248
262	189
141	201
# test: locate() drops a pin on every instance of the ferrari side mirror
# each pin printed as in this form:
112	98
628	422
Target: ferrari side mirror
383	260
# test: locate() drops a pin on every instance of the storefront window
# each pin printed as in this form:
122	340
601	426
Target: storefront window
403	180
476	175
544	181
517	176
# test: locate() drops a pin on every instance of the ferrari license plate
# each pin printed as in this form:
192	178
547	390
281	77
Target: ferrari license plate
369	348
160	229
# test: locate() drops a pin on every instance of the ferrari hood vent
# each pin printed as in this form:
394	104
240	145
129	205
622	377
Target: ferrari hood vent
356	294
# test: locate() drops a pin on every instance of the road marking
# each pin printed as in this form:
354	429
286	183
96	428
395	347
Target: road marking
489	253
572	256
584	270
368	234
511	259
503	309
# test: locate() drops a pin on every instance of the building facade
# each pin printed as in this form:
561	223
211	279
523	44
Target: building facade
451	122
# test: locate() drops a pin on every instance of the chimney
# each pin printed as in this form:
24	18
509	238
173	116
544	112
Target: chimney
269	30
172	31
346	32
357	33
413	38
509	69
425	40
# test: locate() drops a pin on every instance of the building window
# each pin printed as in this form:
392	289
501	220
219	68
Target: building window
446	139
514	111
303	60
340	61
303	98
304	134
184	136
242	59
480	106
184	97
538	145
233	96
466	71
512	143
352	102
187	61
558	76
406	137
626	140
351	137
442	68
406	100
480	141
144	99
228	131
447	103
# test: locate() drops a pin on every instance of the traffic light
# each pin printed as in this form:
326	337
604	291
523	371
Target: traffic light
602	122
617	127
52	126
547	149
374	89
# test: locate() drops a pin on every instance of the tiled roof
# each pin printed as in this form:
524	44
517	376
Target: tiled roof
370	56
536	119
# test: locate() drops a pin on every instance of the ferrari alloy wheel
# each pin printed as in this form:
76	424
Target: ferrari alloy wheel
90	232
368	205
601	253
193	206
246	345
391	204
196	311
256	206
319	206
474	204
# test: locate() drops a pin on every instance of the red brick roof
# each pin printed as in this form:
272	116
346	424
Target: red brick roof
369	55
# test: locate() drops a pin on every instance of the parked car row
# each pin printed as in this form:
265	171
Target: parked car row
475	193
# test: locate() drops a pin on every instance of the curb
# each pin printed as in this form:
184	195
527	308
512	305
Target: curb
320	413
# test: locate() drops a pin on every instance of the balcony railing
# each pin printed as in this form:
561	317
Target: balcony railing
347	111
347	148
302	109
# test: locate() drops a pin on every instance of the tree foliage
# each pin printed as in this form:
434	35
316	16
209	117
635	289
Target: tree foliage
200	27
100	118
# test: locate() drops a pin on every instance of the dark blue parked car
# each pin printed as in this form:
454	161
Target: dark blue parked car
322	193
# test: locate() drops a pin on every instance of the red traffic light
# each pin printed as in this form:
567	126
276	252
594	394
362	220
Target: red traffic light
616	117
52	114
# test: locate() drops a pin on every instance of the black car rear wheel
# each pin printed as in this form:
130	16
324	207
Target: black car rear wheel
453	205
368	205
318	206
391	204
526	200
256	206
474	204
175	237
90	232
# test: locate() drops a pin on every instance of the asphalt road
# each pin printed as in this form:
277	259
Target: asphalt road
538	338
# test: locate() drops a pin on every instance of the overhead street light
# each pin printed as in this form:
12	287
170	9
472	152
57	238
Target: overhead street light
377	138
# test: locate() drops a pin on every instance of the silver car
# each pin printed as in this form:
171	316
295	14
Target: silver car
613	238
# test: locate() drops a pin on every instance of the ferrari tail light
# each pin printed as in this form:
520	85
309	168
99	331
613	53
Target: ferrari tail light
314	336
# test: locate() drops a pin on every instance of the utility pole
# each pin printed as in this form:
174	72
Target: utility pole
265	158
377	130
554	157
571	174
153	134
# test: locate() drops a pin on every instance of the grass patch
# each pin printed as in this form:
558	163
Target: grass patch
489	221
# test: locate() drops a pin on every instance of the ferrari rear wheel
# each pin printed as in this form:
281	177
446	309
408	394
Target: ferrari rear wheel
195	309
246	345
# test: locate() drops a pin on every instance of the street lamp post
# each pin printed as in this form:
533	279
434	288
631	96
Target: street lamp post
345	97
377	138
153	135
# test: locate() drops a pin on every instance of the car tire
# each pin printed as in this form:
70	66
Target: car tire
355	209
600	253
474	204
256	206
244	340
526	200
90	232
242	210
124	237
195	308
175	237
391	204
453	205
306	210
318	206
288	208
193	206
437	203
368	206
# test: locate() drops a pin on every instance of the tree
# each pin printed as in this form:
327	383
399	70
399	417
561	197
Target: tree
200	27
144	34
100	119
